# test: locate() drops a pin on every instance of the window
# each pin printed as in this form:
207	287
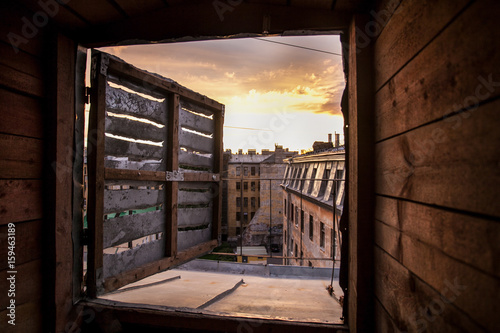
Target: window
245	171
245	202
238	231
245	217
238	185
311	182
238	171
238	202
322	235
296	250
252	171
245	186
252	202
291	213
258	202
238	216
252	214
284	205
302	221
252	186
311	227
296	216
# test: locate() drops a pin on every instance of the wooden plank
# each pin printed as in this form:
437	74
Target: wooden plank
148	165
21	200
194	198
134	7
143	175
416	306
134	129
408	31
95	12
95	208
194	107
20	115
201	177
384	322
196	142
133	275
21	82
165	85
116	201
115	264
21	61
195	160
120	101
28	242
196	122
194	216
121	148
190	238
469	239
28	283
28	317
129	227
172	188
440	164
431	87
20	157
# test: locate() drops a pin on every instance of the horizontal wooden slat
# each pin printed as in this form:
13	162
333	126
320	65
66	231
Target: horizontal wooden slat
196	142
20	115
189	238
95	12
122	174
195	122
123	200
414	305
114	264
21	200
409	30
133	275
20	157
444	165
134	8
201	177
135	165
122	148
194	216
21	61
187	105
120	101
469	239
28	242
22	82
129	227
28	317
28	283
430	87
134	129
195	160
188	197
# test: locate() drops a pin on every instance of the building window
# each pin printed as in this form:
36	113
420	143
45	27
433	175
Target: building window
238	216
252	202
245	186
252	214
296	250
296	216
311	182
258	202
252	186
238	201
257	170
238	231
291	213
291	246
245	217
302	221
284	210
245	171
252	171
311	227
238	171
245	202
238	185
322	235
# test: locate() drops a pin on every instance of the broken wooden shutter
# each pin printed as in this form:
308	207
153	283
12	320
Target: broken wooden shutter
154	163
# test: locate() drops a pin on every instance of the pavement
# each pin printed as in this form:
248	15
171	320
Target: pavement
296	299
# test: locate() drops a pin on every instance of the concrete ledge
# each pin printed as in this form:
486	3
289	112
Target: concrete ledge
259	270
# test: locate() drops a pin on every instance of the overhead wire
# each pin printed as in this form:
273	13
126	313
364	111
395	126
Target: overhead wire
297	46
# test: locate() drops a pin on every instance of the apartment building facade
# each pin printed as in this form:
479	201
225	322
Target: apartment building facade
313	185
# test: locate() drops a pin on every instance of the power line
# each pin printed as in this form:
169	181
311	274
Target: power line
247	128
297	46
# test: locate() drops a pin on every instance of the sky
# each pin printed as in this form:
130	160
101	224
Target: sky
273	93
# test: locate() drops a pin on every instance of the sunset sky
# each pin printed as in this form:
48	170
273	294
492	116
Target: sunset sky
273	93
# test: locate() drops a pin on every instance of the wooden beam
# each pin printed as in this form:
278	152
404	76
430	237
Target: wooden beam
218	169
172	188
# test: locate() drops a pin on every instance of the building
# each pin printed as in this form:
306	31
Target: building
253	200
312	185
421	113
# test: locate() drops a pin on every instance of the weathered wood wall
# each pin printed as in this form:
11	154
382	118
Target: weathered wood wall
437	230
22	102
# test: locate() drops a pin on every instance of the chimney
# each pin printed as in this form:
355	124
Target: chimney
330	137
337	139
240	151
